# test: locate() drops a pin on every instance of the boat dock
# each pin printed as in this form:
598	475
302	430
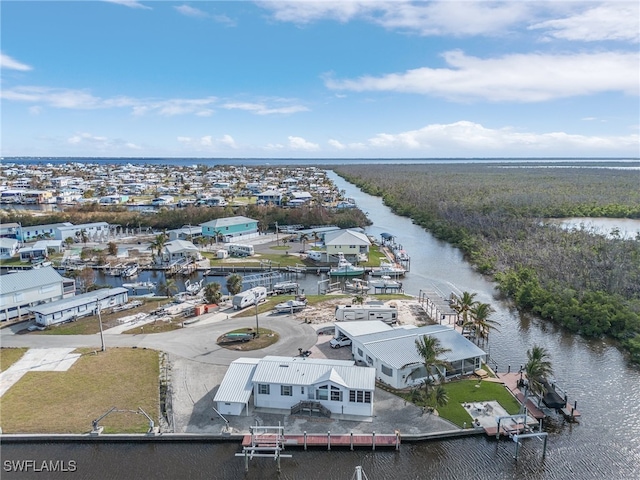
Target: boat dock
327	440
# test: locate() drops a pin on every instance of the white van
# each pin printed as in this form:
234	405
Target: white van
249	297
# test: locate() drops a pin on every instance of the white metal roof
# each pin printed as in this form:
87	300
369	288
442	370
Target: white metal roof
311	371
397	347
227	221
358	328
29	279
236	386
77	300
346	237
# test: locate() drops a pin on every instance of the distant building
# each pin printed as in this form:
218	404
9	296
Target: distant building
9	230
230	227
269	197
8	247
21	290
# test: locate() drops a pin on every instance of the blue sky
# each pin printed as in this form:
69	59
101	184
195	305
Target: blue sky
298	79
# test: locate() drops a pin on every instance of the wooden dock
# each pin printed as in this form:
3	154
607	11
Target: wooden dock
326	440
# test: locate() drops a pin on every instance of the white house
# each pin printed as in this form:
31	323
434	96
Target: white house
178	250
96	231
393	353
349	242
8	247
79	306
286	382
40	250
21	290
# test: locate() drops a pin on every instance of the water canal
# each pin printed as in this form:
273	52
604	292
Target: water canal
604	444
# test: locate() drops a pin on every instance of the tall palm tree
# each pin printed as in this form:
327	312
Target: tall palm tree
304	238
213	292
482	324
234	284
168	287
463	304
432	353
440	396
537	368
158	243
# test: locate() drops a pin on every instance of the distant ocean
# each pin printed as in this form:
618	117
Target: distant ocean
627	163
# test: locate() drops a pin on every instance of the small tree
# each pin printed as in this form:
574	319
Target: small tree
234	284
213	292
112	248
85	279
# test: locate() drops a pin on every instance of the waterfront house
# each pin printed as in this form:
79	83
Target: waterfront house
348	242
82	305
34	232
8	247
187	232
95	231
21	290
9	230
393	353
339	386
230	227
178	250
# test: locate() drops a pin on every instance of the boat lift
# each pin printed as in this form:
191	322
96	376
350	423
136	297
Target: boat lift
516	437
265	442
263	279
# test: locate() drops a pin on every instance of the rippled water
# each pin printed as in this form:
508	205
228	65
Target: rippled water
604	444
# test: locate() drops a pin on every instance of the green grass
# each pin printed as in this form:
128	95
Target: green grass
467	391
267	337
67	402
155	327
9	356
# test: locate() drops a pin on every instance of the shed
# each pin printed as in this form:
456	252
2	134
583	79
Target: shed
236	388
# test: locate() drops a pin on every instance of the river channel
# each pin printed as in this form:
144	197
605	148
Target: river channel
605	443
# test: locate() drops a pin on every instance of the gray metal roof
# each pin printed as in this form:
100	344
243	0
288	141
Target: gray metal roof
311	371
236	386
356	329
228	221
29	279
77	300
346	237
397	347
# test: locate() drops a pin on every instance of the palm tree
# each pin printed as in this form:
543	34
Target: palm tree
537	368
463	305
234	284
440	396
304	238
431	351
168	287
482	324
213	292
158	243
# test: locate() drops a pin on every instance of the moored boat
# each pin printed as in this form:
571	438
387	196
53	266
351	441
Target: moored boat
345	268
193	288
130	270
388	268
385	282
290	306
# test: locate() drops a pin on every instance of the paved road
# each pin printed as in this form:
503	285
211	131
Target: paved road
195	342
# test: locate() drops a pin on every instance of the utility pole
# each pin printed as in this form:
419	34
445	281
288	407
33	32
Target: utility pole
104	349
257	326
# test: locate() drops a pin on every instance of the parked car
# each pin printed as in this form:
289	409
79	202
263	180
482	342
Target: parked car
340	342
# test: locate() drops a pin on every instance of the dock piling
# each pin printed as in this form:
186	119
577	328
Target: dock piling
329	440
351	441
373	441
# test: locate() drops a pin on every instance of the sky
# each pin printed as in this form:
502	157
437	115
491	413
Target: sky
300	79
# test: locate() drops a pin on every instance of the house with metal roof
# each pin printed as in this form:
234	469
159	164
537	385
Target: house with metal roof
21	290
392	351
78	306
8	247
285	383
178	250
348	242
230	227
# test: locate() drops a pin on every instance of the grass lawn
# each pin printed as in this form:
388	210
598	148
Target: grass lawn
463	391
267	337
9	356
68	402
155	327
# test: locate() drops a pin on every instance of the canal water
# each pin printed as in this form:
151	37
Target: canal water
604	444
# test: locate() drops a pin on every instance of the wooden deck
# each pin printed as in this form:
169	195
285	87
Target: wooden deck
372	441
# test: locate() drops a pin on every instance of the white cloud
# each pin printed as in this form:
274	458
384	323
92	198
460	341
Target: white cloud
336	144
609	21
87	138
191	11
208	143
262	109
518	77
129	3
11	64
465	136
299	143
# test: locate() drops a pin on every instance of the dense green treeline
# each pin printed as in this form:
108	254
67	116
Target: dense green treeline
495	213
267	216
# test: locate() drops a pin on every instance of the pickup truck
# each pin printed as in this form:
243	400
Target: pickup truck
339	342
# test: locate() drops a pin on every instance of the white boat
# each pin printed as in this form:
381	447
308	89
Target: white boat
285	287
193	288
345	268
357	285
290	306
135	286
385	283
130	270
388	268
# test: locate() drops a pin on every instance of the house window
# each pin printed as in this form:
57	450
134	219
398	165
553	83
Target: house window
359	396
387	371
263	389
286	390
369	360
360	351
322	393
336	394
302	390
